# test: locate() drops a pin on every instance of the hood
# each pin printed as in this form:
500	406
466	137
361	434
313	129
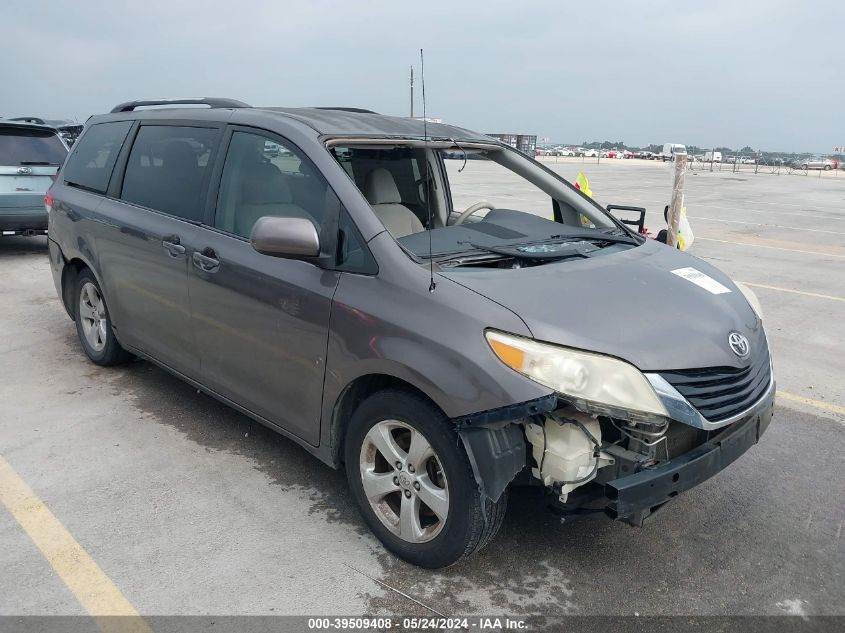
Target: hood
627	304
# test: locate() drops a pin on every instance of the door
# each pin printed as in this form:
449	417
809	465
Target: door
260	322
144	247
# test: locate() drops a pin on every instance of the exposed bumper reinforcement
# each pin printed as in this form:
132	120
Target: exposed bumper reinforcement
633	497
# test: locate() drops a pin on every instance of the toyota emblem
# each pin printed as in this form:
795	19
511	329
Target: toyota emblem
24	171
739	344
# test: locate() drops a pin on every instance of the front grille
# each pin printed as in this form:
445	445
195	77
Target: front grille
721	392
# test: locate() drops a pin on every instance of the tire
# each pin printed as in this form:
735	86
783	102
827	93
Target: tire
397	423
93	325
827	167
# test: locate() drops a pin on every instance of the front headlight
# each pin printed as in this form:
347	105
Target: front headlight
752	299
601	383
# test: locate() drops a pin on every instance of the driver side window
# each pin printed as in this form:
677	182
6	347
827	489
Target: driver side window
262	176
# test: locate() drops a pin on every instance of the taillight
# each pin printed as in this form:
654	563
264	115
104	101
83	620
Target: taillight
48	202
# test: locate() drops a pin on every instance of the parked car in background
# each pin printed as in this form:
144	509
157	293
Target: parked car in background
748	160
714	157
815	163
564	151
271	150
69	130
30	156
590	153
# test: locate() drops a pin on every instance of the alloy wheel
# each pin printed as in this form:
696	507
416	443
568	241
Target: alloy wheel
404	481
92	315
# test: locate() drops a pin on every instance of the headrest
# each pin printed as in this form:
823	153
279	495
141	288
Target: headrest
265	187
179	154
380	188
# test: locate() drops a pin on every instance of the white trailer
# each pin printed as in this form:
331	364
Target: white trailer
670	149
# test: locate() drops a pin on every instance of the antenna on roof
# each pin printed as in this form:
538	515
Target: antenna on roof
427	189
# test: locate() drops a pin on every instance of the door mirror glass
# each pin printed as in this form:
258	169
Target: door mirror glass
292	238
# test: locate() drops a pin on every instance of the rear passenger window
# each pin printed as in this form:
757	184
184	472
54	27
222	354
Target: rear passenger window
264	177
167	168
92	160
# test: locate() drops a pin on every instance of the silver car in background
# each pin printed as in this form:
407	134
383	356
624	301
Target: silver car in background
815	163
30	157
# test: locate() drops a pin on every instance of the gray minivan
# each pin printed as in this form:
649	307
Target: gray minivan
336	275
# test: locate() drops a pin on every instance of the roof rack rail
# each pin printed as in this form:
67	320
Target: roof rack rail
345	109
213	102
28	119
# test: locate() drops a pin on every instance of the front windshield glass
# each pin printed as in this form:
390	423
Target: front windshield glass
475	199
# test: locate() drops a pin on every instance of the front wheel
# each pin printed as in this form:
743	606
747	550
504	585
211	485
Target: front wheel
413	483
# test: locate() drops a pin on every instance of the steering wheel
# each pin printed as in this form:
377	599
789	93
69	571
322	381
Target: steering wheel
471	210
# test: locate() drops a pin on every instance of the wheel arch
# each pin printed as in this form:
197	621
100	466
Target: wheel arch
70	272
352	395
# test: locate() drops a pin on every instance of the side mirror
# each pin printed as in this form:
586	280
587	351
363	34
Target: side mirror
292	238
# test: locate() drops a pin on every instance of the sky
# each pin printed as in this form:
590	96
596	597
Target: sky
765	73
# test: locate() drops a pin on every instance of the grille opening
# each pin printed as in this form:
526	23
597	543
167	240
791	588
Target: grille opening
719	393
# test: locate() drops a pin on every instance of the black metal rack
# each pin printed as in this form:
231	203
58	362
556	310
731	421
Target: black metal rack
212	102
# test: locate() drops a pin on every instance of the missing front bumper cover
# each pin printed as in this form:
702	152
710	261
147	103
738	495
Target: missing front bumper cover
634	497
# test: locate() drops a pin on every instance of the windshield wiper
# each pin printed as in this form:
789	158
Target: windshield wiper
604	237
519	251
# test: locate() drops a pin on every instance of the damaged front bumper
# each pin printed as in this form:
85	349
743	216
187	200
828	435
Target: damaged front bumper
497	441
633	497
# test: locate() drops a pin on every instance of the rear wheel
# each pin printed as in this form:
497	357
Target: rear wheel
93	324
413	483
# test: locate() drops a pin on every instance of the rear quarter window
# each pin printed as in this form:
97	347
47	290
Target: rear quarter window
28	146
91	163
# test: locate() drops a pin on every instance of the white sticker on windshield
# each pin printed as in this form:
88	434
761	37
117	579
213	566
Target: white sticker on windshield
700	279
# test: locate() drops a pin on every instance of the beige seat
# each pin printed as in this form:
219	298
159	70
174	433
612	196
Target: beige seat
265	192
383	195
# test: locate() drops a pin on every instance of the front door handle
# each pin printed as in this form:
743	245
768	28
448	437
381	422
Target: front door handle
172	246
206	261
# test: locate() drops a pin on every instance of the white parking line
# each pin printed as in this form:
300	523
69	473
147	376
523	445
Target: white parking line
776	248
808	215
693	218
797	292
773	226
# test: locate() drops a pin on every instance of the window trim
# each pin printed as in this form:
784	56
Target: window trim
115	190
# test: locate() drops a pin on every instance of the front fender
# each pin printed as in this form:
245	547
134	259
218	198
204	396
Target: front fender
390	325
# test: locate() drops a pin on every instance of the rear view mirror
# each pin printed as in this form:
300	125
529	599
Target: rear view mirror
292	238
